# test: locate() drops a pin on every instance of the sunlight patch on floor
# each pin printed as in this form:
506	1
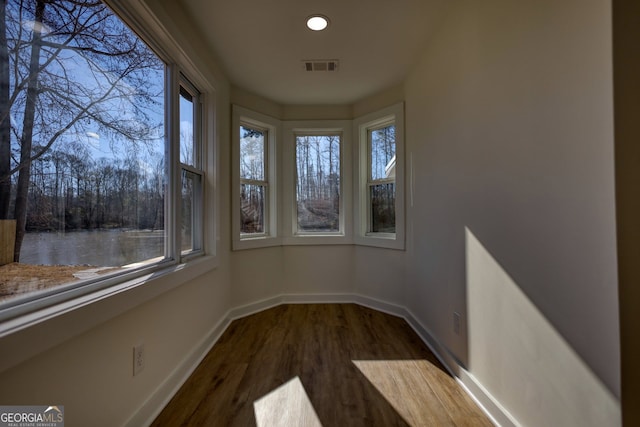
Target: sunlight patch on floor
405	385
288	405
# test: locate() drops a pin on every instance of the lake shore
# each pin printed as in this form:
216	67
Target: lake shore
17	278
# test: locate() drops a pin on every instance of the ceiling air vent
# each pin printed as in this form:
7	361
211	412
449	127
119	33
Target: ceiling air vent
320	65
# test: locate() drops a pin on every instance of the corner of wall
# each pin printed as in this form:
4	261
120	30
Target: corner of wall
252	101
378	101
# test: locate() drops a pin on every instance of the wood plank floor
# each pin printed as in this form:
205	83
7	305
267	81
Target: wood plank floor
320	364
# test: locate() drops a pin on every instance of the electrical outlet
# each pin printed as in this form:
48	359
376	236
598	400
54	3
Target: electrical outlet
138	359
456	323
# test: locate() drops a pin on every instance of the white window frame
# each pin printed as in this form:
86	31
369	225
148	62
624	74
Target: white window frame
197	169
361	219
319	127
271	127
142	277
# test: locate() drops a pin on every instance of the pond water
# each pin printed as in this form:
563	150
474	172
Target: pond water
99	248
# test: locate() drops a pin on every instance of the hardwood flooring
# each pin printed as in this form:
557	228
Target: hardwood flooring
320	365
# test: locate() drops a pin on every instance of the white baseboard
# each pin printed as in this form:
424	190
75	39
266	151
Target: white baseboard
379	305
499	415
441	352
156	402
163	394
317	298
254	307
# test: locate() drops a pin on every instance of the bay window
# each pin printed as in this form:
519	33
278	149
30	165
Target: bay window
327	190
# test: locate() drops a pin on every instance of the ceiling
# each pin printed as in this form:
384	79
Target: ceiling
262	44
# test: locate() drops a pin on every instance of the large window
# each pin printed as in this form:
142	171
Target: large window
101	161
255	166
318	183
254	186
379	201
381	179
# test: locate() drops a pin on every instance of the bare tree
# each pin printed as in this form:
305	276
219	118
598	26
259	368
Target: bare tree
5	121
68	66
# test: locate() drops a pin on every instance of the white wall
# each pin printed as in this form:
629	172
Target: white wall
522	359
257	274
379	274
91	373
509	130
318	269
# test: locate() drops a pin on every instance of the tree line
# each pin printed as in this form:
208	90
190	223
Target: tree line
318	182
72	192
382	196
318	167
69	68
253	180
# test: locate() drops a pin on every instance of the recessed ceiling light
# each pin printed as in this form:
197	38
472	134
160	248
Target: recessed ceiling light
317	22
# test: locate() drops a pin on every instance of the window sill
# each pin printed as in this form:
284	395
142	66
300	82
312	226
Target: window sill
319	239
37	331
388	241
256	243
383	242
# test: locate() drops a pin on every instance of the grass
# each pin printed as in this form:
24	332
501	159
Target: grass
17	279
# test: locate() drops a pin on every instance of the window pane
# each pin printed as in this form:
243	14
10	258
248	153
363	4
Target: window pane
252	154
318	183
383	208
383	152
191	218
82	167
252	198
187	127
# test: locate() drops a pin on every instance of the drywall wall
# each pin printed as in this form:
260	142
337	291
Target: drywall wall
318	269
509	135
378	101
240	96
379	274
91	375
257	274
563	391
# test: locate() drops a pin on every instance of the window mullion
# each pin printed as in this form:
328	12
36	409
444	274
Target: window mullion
381	181
192	176
174	214
191	169
253	182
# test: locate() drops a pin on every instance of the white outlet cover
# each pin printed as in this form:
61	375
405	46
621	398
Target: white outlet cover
138	359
